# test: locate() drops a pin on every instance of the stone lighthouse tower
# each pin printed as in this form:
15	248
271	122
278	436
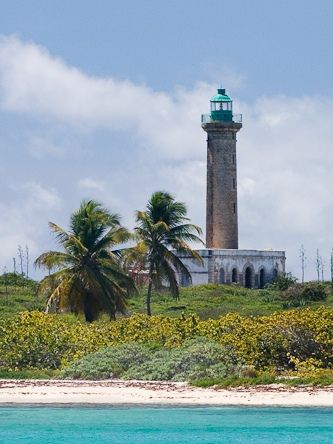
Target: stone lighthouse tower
221	126
223	262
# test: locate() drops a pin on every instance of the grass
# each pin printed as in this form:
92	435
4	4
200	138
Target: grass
207	301
214	300
210	301
14	299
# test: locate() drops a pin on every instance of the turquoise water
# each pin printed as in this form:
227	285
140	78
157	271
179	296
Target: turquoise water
47	425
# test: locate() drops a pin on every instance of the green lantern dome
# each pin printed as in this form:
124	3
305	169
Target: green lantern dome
221	109
221	96
221	106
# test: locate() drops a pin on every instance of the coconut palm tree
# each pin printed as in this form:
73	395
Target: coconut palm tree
87	273
163	231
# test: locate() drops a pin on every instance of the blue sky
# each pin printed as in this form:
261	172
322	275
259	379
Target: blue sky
103	99
279	47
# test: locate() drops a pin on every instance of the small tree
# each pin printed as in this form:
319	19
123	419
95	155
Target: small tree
27	261
318	265
161	228
88	276
20	255
303	259
322	268
282	282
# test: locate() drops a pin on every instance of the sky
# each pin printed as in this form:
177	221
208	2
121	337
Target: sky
103	100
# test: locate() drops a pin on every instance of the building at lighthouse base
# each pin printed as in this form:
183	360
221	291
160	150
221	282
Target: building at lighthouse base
248	268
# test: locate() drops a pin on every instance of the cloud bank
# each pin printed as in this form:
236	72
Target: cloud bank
69	135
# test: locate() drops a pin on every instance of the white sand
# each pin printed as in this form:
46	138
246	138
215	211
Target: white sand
117	392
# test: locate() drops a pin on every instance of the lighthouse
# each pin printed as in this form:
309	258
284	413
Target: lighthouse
223	261
221	126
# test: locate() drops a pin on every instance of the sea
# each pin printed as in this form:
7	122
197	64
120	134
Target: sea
87	424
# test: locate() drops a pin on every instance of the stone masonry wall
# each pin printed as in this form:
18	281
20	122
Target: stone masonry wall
221	212
221	266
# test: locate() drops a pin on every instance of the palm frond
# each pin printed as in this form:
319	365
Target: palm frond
90	277
114	236
50	282
54	300
61	235
186	229
184	248
51	259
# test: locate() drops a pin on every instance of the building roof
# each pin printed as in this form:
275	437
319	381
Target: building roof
221	96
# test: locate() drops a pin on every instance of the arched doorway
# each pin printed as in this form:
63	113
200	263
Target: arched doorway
262	278
234	275
275	274
248	277
222	276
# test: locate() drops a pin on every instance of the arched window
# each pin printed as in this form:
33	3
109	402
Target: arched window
234	275
275	274
222	276
248	277
262	278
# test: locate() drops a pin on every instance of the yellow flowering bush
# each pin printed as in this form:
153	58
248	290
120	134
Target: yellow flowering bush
285	340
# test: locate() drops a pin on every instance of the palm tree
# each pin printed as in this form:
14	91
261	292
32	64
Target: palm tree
162	227
134	261
88	276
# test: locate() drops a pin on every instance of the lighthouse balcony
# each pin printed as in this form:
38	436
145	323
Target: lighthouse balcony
209	118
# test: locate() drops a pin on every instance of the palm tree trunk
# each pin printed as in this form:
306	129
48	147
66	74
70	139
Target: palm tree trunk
150	286
88	314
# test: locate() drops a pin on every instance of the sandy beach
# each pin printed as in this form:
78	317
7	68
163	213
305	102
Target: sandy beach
118	392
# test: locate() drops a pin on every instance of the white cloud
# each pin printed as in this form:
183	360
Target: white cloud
284	149
91	184
40	196
24	220
43	146
33	82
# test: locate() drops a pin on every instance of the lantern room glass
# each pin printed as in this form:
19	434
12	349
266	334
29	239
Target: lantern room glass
221	106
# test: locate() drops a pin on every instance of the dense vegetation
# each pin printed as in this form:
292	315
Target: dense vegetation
18	294
195	358
291	341
209	334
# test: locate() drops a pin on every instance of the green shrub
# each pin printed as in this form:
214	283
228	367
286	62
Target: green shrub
108	362
282	282
17	280
315	291
300	294
38	340
197	358
300	344
34	340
